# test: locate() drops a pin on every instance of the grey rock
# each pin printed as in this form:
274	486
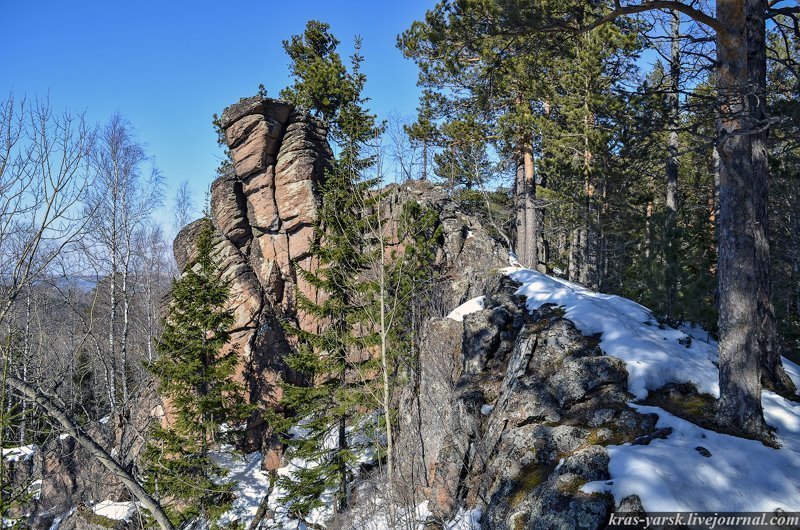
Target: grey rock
556	401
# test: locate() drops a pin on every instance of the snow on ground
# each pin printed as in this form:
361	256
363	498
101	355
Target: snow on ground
465	520
358	439
740	475
375	516
251	484
654	355
118	511
672	474
669	474
56	524
35	489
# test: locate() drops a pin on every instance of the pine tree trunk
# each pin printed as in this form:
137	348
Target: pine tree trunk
671	236
525	199
773	375
603	238
519	211
795	253
648	230
425	160
745	312
575	256
589	231
542	244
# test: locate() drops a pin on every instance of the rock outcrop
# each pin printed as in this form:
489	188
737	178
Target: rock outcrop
73	478
513	411
264	211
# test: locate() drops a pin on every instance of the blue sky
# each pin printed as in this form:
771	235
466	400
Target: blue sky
169	65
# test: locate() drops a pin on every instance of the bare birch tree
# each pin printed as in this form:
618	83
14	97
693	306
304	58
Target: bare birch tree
118	208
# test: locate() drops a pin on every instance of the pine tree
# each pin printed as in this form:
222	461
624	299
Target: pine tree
195	375
498	78
464	159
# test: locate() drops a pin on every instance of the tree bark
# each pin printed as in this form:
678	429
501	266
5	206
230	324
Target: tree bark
671	235
575	246
590	226
743	274
96	450
773	375
526	219
531	219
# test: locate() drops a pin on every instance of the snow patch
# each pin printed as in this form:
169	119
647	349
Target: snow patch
693	469
35	489
654	355
19	454
56	524
416	518
470	306
673	475
251	484
118	511
465	520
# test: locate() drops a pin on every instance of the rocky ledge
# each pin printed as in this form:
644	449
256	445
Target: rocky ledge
514	410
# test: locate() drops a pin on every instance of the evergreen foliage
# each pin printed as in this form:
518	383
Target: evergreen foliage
412	278
322	84
206	406
464	158
424	131
336	392
784	209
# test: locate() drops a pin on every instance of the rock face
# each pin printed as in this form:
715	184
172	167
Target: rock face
513	411
264	212
467	254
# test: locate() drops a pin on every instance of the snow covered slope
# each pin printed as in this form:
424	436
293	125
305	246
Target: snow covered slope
676	473
652	355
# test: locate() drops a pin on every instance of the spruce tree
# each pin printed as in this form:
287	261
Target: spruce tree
336	389
321	82
206	406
